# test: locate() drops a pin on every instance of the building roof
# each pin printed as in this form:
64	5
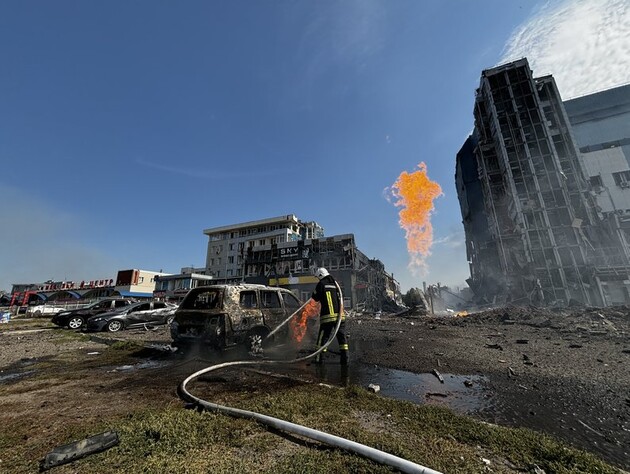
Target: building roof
289	218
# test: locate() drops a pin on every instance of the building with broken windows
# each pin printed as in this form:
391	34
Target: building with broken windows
227	245
283	251
534	231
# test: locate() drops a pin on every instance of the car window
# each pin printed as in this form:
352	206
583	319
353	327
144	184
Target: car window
104	305
248	299
142	307
208	299
159	305
270	299
290	301
120	303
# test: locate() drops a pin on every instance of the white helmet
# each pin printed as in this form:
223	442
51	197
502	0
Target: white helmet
321	273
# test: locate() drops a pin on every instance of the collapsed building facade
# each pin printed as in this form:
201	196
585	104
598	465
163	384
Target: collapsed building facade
534	231
283	251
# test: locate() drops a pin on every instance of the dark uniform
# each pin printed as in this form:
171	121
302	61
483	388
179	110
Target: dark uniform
327	295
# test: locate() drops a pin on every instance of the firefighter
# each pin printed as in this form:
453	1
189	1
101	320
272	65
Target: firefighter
328	295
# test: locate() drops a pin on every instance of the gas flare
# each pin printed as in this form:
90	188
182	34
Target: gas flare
298	323
415	193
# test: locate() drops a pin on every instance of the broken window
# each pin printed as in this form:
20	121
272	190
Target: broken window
270	299
208	299
622	178
248	300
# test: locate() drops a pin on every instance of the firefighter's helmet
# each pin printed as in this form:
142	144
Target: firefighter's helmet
321	273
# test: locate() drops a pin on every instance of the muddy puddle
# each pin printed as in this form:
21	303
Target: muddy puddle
462	394
147	364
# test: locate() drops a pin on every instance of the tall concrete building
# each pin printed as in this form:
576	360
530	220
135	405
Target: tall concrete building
228	245
533	228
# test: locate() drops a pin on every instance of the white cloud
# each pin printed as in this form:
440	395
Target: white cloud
584	44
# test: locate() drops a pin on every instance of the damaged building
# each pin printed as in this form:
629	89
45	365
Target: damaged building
534	230
283	251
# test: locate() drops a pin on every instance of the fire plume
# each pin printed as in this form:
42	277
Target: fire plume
415	193
299	323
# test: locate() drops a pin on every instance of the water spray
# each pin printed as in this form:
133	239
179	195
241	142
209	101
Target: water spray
376	455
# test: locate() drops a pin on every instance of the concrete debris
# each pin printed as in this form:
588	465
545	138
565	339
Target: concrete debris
374	388
438	375
494	346
436	394
79	449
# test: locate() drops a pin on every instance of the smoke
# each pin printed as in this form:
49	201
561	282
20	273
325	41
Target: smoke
415	193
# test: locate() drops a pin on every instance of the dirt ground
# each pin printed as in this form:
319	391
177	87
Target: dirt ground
564	372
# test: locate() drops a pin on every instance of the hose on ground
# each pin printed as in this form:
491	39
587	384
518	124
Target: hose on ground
376	455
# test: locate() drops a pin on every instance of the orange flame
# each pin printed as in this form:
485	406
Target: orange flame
298	323
415	193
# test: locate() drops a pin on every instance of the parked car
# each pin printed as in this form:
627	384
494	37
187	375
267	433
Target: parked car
76	318
44	310
149	313
228	315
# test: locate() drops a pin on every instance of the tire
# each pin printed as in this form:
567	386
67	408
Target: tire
75	322
37	314
114	325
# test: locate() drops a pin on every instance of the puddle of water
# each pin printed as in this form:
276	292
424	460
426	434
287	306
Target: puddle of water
462	393
14	376
147	364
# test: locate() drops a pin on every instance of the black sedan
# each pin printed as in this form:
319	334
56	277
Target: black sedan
76	318
151	313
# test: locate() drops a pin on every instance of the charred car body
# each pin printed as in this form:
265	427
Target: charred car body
143	314
221	316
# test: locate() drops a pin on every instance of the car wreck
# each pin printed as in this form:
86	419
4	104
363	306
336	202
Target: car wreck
222	316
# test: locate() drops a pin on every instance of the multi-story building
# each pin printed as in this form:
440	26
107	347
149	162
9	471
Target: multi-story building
532	226
601	129
283	251
175	287
364	282
228	245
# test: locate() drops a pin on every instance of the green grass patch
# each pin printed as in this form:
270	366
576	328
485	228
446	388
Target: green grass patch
21	323
171	439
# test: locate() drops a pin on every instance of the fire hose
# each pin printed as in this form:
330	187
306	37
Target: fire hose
376	455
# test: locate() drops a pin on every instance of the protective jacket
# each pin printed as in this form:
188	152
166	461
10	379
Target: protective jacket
327	295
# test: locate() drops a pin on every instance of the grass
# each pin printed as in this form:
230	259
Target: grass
171	439
163	437
20	323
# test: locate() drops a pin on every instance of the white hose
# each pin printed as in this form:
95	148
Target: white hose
335	441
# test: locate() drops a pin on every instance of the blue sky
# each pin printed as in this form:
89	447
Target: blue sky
126	128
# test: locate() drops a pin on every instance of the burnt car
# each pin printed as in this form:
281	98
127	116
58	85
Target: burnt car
144	314
76	318
222	316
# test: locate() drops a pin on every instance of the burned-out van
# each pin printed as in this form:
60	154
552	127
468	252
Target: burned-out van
221	316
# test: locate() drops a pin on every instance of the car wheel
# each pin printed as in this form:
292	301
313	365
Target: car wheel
114	326
75	322
37	314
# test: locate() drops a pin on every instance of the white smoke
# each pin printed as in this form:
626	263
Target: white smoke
584	44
